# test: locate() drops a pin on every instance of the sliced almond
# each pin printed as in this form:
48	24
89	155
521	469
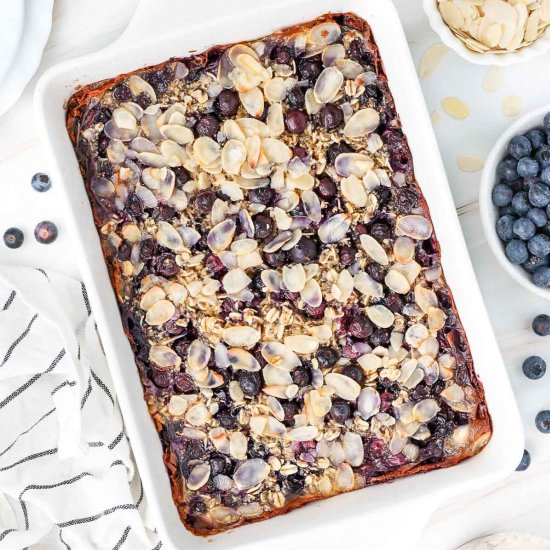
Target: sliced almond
301	344
433	57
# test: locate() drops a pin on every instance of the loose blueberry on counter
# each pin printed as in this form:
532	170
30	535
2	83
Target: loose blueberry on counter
45	232
542	422
541	325
517	252
534	367
505	228
41	182
524	228
525	461
13	237
527	167
541	277
519	147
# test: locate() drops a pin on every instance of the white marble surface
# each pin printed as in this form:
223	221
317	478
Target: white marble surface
518	503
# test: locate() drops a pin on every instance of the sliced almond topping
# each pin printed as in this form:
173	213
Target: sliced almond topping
241	336
163	356
235	280
241	359
250	473
354	191
374	249
397	282
344	477
278	355
151	297
362	123
301	344
328	85
344	386
160	312
335	228
198	477
381	316
304	433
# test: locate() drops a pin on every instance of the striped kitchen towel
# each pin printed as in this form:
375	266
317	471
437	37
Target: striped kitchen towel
67	477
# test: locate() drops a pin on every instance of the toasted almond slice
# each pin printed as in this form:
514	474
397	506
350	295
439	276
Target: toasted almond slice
151	297
397	282
335	228
235	280
381	316
433	57
241	336
324	33
163	356
275	90
367	286
301	344
343	287
160	312
294	277
354	191
304	433
198	477
275	120
250	473
362	123
311	293
345	387
374	249
278	355
328	85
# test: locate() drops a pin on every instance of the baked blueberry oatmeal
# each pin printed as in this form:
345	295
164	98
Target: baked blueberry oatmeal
277	273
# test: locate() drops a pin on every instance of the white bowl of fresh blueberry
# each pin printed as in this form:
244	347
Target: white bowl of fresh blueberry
515	201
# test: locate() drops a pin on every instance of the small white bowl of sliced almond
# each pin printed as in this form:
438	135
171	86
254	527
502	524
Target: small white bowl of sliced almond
492	32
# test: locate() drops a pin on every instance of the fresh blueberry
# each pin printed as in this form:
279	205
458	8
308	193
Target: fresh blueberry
546	121
502	194
536	137
534	367
13	237
521	203
542	156
541	277
45	232
516	251
541	325
534	262
525	461
545	175
507	170
519	147
539	194
539	245
527	167
524	228
41	182
542	422
538	216
507	211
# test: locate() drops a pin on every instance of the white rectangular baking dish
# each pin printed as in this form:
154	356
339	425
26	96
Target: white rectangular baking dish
385	513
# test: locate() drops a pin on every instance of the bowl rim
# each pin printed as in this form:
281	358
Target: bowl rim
488	211
540	46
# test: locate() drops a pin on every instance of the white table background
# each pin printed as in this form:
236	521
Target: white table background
522	502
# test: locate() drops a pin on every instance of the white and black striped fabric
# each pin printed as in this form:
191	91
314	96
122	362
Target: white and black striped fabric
67	477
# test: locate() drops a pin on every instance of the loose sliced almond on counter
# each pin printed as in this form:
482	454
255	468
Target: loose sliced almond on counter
511	105
455	108
433	57
469	163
